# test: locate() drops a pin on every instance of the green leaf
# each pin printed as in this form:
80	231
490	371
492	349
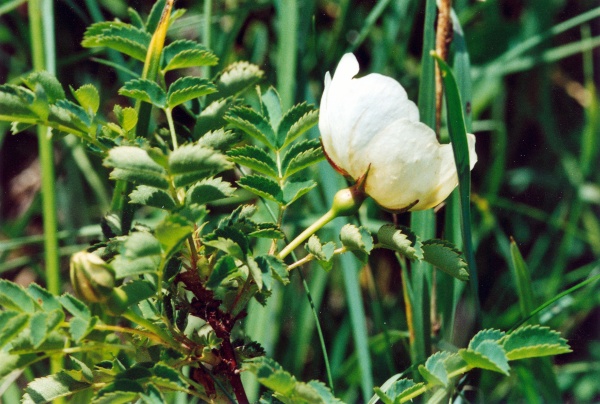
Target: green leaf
267	230
358	240
208	190
87	96
46	389
138	290
254	158
301	155
127	117
488	355
75	306
237	77
151	196
295	122
70	115
220	139
262	186
402	388
184	53
401	239
522	279
141	253
155	15
14	297
119	36
228	246
224	268
145	90
11	325
212	117
293	190
276	266
485	335
188	88
192	162
261	274
44	298
533	341
253	124
270	105
171	232
444	255
135	165
82	322
322	252
49	83
434	371
42	324
15	102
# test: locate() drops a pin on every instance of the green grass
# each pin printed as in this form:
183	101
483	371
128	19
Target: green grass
529	75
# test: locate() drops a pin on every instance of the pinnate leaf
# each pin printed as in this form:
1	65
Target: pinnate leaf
254	158
224	268
219	139
141	253
488	355
171	232
253	124
238	77
293	190
192	163
11	324
443	255
358	240
46	389
263	187
302	155
401	239
145	90
322	252
208	190
434	371
533	341
188	88
485	335
151	196
42	324
14	297
401	389
14	103
184	53
275	266
87	96
119	36
134	164
48	82
295	122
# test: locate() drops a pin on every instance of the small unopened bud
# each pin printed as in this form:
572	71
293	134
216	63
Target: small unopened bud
347	201
92	278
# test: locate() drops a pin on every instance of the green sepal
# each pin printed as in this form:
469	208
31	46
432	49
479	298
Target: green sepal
145	90
254	158
188	88
444	255
184	53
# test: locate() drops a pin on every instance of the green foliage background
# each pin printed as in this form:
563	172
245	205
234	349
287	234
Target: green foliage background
536	116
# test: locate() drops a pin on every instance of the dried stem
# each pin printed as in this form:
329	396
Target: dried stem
443	38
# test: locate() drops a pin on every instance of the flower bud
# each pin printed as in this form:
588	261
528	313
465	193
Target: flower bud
92	278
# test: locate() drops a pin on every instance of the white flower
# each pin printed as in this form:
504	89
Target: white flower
369	124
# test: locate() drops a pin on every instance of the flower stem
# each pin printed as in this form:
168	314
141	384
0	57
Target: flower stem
309	231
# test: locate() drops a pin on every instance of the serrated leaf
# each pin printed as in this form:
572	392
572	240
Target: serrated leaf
135	165
295	122
127	117
44	298
211	117
208	190
184	53
14	297
11	324
171	232
224	267
401	239
220	139
253	124
188	88
358	240
277	267
261	274
267	230
401	389
87	96
49	83
485	335
42	324
489	355
15	102
151	196
75	306
192	162
262	186
254	158
237	77
155	15
119	36
270	105
322	252
434	371
228	246
141	253
293	190
138	290
271	375
145	90
70	115
302	155
533	341
445	256
46	389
